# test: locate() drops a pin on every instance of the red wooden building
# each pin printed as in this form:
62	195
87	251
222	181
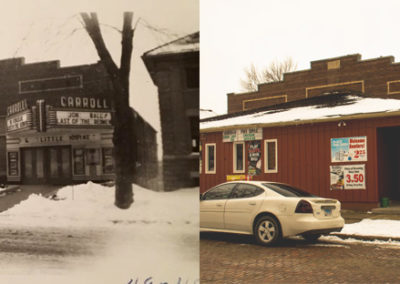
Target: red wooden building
340	145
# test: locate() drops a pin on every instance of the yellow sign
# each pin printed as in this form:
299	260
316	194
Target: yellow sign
235	177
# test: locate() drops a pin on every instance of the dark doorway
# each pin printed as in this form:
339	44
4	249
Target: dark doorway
51	165
389	162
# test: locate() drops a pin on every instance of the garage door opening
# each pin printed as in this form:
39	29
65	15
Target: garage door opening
389	162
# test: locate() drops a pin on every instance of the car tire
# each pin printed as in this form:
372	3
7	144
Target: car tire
267	230
311	237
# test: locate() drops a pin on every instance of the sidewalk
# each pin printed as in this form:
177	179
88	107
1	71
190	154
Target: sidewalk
388	213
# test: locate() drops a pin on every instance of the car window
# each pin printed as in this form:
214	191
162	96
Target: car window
219	192
287	190
246	190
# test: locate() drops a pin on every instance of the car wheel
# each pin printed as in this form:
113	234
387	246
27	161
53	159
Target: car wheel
267	231
311	237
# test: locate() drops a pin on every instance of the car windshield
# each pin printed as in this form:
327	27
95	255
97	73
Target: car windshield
287	191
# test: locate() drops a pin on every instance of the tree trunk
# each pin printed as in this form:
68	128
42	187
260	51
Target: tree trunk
124	139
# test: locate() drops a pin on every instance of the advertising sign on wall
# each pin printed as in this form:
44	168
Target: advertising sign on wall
13	163
247	134
254	158
347	177
236	177
349	149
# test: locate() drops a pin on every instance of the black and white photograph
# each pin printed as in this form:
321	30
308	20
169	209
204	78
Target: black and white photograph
99	143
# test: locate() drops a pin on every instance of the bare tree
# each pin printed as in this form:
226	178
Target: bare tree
124	138
272	73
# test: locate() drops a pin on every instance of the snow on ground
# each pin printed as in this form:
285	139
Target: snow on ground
156	239
390	243
369	227
372	228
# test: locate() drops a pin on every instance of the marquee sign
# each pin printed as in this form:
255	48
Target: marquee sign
59	139
19	121
83	118
17	107
83	102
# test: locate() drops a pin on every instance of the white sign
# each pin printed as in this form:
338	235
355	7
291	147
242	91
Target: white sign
60	139
349	149
19	121
347	177
247	134
82	118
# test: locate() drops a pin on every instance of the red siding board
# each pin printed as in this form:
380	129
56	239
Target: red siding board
304	157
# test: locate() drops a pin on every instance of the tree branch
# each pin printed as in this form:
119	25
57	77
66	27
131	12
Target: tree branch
92	27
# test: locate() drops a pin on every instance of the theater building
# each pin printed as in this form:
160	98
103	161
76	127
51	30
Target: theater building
57	122
341	142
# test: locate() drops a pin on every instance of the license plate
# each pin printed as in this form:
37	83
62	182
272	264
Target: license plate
328	212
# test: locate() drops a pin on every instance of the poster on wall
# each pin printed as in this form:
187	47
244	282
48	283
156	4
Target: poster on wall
254	158
349	149
200	159
347	177
13	163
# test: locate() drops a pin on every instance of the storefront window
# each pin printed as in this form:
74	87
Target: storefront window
92	156
210	159
271	156
108	161
238	157
79	162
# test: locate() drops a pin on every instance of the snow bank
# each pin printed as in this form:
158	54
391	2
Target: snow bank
369	227
92	204
156	239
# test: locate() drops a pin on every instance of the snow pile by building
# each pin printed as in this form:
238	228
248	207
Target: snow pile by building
92	204
369	227
156	239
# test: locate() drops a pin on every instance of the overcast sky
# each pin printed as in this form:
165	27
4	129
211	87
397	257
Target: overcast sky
236	33
41	30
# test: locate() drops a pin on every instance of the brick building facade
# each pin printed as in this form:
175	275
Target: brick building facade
57	124
379	77
174	69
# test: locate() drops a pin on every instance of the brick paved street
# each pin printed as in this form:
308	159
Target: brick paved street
226	258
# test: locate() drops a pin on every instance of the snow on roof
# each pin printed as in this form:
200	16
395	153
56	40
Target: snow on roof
351	106
181	45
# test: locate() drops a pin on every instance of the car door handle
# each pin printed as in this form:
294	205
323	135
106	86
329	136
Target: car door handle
252	203
219	205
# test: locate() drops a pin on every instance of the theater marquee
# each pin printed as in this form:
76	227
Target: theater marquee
83	118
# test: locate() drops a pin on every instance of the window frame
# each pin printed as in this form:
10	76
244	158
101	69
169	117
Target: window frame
266	169
207	170
235	170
